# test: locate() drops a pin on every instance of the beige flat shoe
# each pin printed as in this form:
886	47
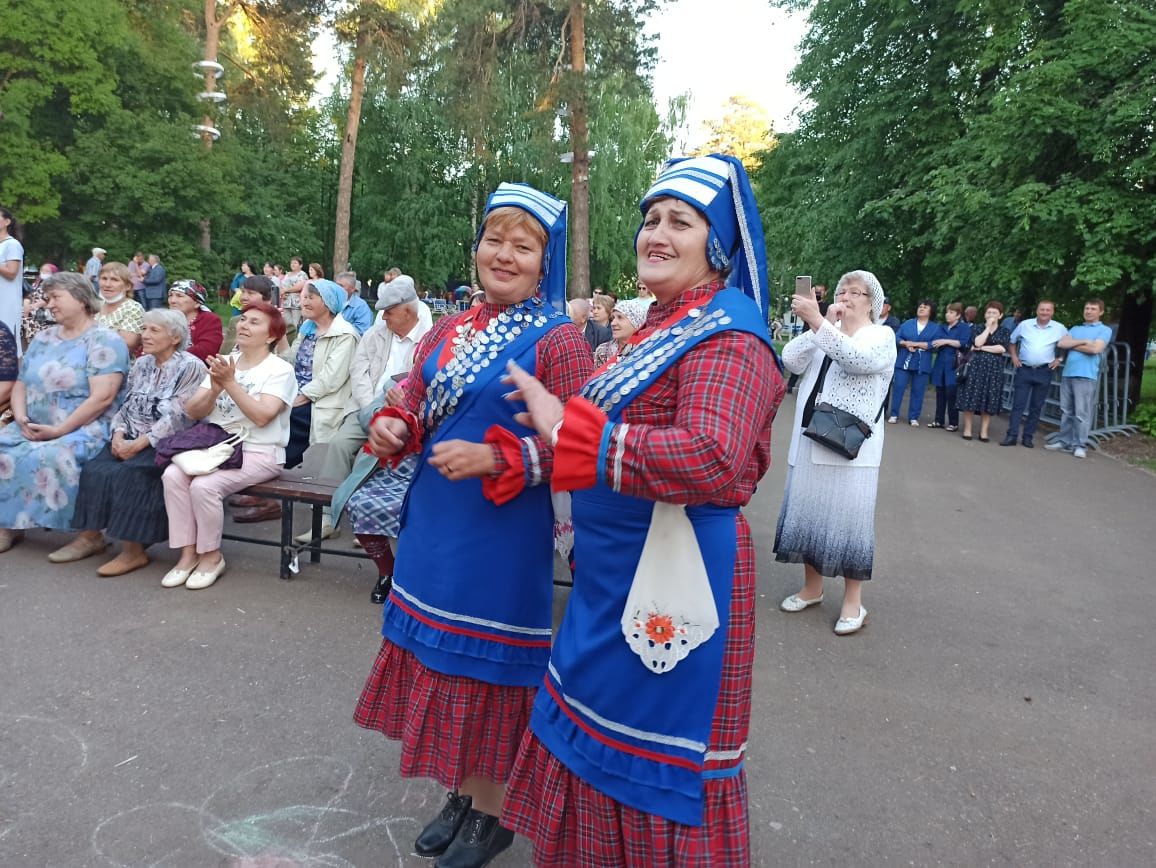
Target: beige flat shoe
122	564
9	538
77	550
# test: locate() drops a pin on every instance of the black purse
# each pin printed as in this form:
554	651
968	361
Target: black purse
841	432
964	367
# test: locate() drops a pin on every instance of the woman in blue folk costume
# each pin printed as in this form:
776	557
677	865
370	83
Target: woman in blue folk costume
635	751
467	626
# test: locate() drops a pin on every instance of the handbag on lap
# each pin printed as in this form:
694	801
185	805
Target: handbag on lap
201	449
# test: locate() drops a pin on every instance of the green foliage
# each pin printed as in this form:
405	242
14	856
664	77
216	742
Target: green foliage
1144	418
976	149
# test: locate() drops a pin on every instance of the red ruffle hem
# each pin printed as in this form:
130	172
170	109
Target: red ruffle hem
450	727
571	823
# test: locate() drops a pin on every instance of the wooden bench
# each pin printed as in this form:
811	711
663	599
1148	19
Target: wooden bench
295	486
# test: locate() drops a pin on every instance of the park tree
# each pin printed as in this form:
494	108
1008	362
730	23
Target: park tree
744	129
976	149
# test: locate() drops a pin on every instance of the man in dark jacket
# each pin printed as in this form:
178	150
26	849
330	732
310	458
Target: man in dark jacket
156	284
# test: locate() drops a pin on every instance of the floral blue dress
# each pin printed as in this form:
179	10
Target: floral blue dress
39	480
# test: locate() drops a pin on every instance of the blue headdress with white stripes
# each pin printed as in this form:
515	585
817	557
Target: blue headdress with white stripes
718	186
551	213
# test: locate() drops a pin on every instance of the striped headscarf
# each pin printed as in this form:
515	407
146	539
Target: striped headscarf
718	186
551	213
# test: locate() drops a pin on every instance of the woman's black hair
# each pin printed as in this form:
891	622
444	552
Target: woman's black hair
14	226
929	303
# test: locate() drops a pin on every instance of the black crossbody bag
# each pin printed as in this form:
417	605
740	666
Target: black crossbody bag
841	432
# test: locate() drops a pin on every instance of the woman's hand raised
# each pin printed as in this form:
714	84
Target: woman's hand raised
545	410
222	371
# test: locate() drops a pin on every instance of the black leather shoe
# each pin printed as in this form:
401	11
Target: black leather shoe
1008	441
381	589
481	838
1028	443
440	831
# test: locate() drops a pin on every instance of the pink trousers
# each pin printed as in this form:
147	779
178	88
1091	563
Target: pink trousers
196	504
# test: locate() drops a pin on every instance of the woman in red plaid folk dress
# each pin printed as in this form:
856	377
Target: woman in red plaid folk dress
468	622
634	755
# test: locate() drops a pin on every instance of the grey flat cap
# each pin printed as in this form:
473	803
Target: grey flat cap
397	291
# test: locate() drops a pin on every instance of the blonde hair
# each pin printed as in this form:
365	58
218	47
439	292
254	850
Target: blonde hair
605	301
120	271
509	217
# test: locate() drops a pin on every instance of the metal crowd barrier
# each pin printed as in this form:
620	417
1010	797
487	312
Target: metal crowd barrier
1110	416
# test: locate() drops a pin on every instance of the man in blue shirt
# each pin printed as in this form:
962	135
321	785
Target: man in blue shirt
1033	353
1085	344
356	312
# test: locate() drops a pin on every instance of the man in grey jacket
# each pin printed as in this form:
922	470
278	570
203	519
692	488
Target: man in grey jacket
382	360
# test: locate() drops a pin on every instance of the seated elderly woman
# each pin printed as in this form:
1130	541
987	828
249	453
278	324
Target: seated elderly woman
120	489
626	318
321	355
62	404
118	310
206	334
249	393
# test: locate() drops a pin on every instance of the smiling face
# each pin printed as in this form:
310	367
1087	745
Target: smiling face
1044	313
186	304
313	306
621	326
671	249
252	330
509	259
1092	312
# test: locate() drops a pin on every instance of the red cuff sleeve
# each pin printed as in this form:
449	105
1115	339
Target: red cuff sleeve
576	455
511	480
412	445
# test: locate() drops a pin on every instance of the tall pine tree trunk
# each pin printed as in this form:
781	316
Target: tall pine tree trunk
213	25
579	145
349	149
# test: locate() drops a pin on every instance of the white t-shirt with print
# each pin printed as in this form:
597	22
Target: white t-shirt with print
274	376
12	290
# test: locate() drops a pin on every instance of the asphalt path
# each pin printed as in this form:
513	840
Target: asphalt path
998	708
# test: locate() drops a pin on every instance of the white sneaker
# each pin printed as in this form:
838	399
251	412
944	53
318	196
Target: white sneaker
891	420
1080	453
914	423
1056	446
327	531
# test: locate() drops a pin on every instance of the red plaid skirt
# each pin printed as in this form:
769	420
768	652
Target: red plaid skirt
564	816
572	823
450	727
